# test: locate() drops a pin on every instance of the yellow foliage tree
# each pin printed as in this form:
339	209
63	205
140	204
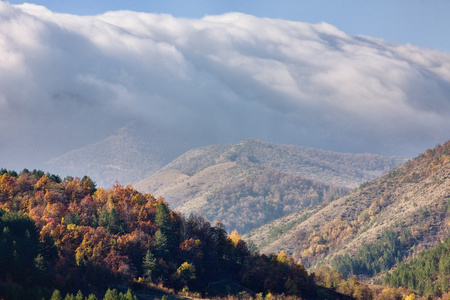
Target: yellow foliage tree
235	237
282	257
410	297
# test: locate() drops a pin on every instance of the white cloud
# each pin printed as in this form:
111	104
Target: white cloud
216	79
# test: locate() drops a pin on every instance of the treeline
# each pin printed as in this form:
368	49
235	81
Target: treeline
428	273
371	259
396	244
110	294
69	235
427	162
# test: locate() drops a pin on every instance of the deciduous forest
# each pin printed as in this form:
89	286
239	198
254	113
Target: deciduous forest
69	236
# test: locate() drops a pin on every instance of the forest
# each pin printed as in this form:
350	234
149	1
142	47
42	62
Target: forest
69	237
267	195
428	273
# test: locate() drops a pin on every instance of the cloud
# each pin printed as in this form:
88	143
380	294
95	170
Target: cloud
67	80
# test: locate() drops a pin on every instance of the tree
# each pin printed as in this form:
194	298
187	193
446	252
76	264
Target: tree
19	246
88	185
129	295
282	257
162	218
160	244
149	264
79	296
69	297
235	237
111	295
56	295
92	297
111	221
186	272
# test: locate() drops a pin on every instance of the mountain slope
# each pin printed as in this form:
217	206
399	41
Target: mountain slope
134	152
410	200
342	169
253	182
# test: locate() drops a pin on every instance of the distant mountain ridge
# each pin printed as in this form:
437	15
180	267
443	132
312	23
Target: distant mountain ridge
135	151
252	182
343	169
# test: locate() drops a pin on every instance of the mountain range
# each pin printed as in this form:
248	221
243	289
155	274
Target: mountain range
244	185
376	231
313	204
252	182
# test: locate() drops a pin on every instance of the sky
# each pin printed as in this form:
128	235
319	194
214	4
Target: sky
422	23
303	74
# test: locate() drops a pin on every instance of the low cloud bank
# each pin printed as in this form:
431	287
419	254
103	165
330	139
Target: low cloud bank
66	81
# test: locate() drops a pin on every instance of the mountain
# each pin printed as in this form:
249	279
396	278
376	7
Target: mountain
135	151
375	226
247	184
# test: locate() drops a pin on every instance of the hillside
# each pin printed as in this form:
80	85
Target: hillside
409	204
428	273
71	236
135	151
250	183
341	169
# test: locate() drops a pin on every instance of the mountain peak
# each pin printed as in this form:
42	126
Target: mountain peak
133	152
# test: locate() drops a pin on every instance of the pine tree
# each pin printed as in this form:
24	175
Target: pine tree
56	295
149	264
111	295
162	218
160	244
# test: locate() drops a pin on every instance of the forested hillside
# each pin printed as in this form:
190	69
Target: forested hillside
263	196
69	235
428	273
376	226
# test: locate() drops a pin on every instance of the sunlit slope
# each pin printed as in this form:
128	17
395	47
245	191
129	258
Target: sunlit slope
411	200
250	183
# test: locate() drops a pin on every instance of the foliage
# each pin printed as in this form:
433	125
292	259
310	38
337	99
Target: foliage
371	259
412	199
327	277
428	273
70	236
264	196
429	161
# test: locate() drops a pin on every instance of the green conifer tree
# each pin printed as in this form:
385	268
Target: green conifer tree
56	295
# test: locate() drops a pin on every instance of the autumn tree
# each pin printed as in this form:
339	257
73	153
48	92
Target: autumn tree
88	185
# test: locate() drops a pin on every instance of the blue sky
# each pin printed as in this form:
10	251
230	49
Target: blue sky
422	23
